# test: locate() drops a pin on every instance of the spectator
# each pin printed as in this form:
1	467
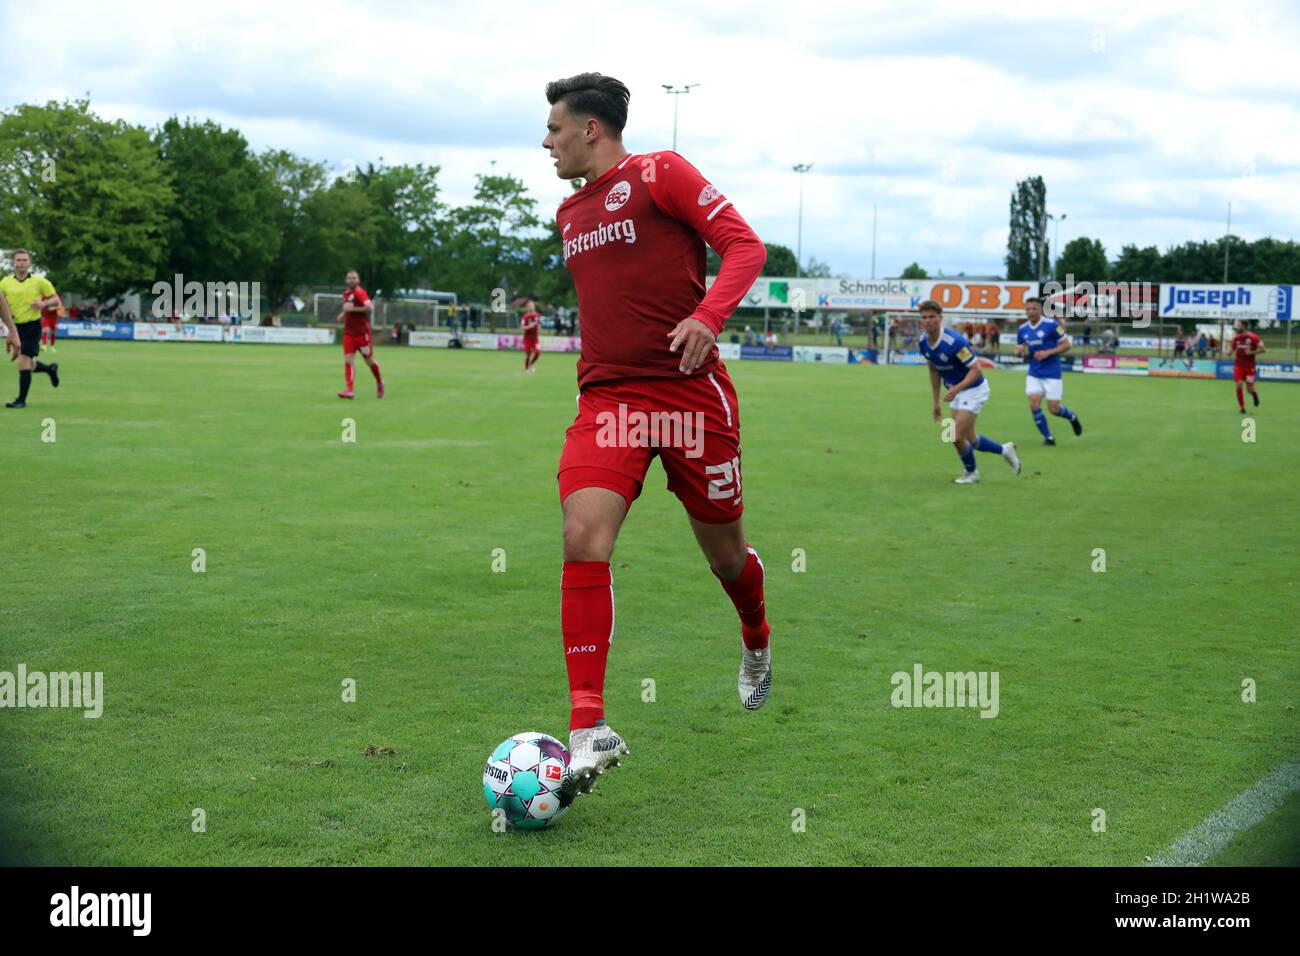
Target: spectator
771	340
397	333
1202	345
749	335
1108	343
1180	348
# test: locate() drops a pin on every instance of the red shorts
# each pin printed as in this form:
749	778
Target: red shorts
356	343
530	343
1240	374
692	424
49	323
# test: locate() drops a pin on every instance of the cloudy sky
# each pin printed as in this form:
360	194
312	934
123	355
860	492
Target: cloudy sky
1145	119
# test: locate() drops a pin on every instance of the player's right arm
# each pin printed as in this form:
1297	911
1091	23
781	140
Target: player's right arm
12	343
934	388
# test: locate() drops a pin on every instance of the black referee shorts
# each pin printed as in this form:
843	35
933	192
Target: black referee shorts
29	335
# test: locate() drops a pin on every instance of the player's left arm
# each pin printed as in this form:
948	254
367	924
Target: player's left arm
1260	347
973	374
681	192
1060	348
47	295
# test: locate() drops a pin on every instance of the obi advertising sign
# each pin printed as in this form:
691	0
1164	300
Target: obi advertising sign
980	297
1228	302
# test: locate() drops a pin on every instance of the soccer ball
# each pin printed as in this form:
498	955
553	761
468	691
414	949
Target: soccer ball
522	778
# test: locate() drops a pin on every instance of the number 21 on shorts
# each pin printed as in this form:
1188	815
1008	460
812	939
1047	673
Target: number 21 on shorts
728	484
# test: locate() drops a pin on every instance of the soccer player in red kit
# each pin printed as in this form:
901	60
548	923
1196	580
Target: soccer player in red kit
355	317
531	322
50	323
634	242
1245	346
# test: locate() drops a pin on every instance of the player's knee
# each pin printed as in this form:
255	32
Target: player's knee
730	563
585	539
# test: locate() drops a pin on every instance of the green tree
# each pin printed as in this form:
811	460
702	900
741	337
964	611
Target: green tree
914	271
291	184
89	197
780	260
1137	265
1084	259
493	242
402	215
1028	222
1193	262
345	233
221	228
550	281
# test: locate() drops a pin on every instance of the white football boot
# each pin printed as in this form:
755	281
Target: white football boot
969	478
592	751
755	676
1009	453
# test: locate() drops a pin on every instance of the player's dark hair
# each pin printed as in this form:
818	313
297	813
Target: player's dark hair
591	94
1034	298
929	305
20	252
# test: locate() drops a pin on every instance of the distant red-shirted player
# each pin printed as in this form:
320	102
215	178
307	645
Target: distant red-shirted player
1245	346
651	384
355	316
50	324
531	323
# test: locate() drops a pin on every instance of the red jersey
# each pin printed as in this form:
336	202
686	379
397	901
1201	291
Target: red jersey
531	322
355	323
1243	347
634	244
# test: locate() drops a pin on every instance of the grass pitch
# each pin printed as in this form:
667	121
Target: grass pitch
372	561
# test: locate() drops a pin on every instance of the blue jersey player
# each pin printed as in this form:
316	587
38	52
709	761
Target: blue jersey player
954	364
1044	342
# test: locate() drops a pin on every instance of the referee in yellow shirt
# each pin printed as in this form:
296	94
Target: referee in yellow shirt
25	295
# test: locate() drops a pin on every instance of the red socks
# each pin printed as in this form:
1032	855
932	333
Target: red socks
746	593
349	374
587	621
374	370
1241	399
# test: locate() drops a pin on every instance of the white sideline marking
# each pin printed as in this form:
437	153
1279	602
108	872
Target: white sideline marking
1216	831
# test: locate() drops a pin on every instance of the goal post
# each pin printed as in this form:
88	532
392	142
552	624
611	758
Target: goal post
387	310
